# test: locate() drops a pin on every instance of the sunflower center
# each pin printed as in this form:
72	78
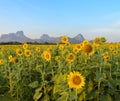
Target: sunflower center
47	56
76	80
78	47
27	53
71	57
76	50
88	48
65	39
19	52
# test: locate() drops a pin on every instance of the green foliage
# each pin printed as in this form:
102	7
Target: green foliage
35	79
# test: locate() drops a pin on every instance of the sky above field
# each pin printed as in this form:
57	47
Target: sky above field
91	18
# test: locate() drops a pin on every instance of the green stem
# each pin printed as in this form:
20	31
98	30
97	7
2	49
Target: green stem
98	90
43	78
117	71
110	73
17	94
76	95
70	93
69	87
70	67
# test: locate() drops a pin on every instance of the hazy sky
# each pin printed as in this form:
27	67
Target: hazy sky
92	18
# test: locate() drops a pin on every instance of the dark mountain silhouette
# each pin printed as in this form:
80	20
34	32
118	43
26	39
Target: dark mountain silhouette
45	38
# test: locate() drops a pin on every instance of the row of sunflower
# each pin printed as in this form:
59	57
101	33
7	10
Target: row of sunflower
88	71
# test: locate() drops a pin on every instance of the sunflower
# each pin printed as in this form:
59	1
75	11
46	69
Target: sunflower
115	52
88	49
15	60
1	61
76	80
75	50
70	57
96	40
61	47
49	49
46	55
19	52
25	45
111	47
37	49
67	44
10	58
85	42
64	39
27	53
106	56
79	46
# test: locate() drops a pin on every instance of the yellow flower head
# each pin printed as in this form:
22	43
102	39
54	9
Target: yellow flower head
10	58
15	60
61	47
85	42
27	53
19	52
96	40
76	80
75	50
1	61
25	45
67	44
46	55
64	39
115	52
111	47
70	57
79	46
88	49
37	49
106	56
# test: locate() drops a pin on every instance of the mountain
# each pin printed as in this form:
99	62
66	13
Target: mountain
15	37
45	38
77	39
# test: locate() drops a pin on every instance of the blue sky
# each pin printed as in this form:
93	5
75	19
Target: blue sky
92	18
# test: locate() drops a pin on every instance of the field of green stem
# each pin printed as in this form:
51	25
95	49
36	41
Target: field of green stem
62	72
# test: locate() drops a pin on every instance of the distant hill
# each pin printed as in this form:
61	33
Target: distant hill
45	38
15	37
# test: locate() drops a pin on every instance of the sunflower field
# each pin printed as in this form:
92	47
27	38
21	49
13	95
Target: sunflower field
87	71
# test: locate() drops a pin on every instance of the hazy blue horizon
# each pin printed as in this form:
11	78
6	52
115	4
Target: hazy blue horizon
91	18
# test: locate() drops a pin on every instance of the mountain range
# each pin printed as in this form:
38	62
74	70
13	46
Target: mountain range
45	38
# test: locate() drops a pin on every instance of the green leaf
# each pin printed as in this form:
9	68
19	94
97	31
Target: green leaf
99	76
92	95
105	98
64	97
37	95
33	84
6	97
115	81
46	98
